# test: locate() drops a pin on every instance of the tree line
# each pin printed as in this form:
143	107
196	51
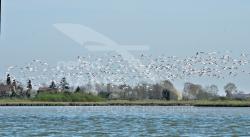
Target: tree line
161	90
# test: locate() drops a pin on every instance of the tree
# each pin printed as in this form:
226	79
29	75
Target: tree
13	88
166	94
14	85
29	87
169	92
230	89
78	89
156	92
64	84
195	91
191	91
167	84
52	85
213	90
8	80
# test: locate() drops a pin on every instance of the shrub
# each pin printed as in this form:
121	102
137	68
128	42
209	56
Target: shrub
67	97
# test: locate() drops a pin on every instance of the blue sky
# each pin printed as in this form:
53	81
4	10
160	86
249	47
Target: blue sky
173	27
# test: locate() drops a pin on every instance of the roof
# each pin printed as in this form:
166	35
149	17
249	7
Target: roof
241	95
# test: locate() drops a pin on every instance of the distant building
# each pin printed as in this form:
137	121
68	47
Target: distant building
5	90
240	95
113	88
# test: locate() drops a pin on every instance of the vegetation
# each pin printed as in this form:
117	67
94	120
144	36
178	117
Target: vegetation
163	93
194	91
67	97
230	89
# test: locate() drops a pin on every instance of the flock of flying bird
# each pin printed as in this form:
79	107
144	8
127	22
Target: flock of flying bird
112	68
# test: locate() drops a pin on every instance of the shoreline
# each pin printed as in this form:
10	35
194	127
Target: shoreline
198	103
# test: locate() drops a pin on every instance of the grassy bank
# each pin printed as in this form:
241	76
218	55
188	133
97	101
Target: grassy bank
74	101
67	97
84	99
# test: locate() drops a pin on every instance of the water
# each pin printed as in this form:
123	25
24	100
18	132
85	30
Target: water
124	121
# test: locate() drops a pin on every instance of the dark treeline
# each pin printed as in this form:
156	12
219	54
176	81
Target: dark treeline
13	88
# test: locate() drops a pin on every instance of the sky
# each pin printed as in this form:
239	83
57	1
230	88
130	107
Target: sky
172	27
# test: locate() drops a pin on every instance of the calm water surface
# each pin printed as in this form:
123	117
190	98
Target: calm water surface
124	121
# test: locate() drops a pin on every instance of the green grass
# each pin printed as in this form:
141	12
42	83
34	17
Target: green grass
4	100
67	97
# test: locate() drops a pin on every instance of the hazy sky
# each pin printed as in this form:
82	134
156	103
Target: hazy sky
173	27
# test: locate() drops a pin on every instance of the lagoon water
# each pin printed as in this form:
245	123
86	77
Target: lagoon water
124	121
